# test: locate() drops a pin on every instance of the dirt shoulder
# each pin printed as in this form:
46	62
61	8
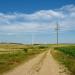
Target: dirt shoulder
43	64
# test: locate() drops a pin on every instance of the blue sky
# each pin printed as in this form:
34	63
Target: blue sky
30	6
27	21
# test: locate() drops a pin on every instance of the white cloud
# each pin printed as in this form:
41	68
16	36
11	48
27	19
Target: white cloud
39	21
69	8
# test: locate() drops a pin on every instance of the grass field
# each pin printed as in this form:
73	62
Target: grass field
66	56
11	55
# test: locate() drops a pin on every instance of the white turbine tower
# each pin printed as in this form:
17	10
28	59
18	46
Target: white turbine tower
32	38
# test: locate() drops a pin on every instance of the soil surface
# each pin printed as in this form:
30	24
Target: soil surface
42	64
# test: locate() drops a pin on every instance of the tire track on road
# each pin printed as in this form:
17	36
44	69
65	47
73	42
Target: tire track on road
36	67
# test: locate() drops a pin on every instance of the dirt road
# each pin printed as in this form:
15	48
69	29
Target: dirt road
43	64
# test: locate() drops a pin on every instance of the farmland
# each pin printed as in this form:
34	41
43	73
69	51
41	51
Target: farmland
66	56
11	55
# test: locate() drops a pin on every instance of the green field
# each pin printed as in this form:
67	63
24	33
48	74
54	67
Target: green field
11	55
66	56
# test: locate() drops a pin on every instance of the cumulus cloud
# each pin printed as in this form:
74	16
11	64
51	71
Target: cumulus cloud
42	20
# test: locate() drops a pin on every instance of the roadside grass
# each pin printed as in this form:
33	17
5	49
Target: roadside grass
66	56
11	59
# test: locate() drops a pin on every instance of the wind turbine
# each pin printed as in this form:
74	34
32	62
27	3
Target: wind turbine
32	38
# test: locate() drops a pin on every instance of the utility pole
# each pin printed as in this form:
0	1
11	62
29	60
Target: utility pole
57	32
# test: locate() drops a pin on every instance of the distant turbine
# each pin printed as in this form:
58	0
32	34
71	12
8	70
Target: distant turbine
32	38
